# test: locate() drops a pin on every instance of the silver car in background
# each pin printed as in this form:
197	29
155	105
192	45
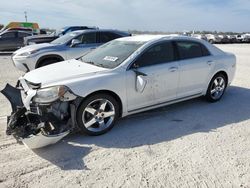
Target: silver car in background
69	46
123	77
211	38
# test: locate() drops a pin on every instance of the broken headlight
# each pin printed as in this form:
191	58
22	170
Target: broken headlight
50	94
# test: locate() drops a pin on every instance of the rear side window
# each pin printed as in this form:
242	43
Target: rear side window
157	54
189	49
205	51
108	36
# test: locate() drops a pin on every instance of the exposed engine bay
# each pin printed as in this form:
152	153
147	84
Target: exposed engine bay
39	124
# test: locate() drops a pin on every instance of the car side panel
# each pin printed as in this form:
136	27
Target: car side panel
194	74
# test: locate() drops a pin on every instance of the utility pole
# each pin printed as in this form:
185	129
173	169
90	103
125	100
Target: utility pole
25	15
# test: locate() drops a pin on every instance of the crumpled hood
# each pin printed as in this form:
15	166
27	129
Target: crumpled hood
62	71
35	47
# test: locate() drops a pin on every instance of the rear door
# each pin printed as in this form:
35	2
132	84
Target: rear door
161	75
196	64
88	42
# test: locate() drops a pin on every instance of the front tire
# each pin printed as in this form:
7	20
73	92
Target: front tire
97	114
47	62
216	88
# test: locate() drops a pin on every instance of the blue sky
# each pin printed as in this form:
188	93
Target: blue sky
154	15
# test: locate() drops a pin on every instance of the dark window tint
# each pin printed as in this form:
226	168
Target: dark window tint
159	53
87	38
189	49
205	51
9	35
21	34
108	36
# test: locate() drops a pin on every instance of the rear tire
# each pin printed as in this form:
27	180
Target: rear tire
97	114
216	88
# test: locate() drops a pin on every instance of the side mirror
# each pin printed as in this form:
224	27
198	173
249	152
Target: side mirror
140	82
75	42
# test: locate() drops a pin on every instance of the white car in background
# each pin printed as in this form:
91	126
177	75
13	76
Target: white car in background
199	36
211	38
123	77
69	46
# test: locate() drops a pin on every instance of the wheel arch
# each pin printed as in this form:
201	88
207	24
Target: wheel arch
222	72
210	78
51	56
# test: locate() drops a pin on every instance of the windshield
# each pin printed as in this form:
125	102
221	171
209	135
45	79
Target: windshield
112	54
64	39
60	31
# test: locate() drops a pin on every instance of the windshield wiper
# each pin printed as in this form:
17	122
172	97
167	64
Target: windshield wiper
89	62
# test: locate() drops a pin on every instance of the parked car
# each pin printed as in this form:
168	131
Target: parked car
232	38
12	40
29	25
246	38
122	77
69	46
49	38
199	36
224	39
211	38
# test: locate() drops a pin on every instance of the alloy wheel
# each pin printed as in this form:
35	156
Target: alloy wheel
98	115
217	88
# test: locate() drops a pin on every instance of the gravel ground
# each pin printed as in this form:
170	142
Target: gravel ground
190	144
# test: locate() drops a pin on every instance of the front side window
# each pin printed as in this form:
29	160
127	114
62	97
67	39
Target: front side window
108	36
157	54
189	49
8	35
87	38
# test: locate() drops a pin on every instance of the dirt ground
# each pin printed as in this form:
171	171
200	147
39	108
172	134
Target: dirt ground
190	144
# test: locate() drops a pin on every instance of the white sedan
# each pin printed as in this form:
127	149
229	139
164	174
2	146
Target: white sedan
123	77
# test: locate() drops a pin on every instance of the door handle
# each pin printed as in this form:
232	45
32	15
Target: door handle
173	69
210	62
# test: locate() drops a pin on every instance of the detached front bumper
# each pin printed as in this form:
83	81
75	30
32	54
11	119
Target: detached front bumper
28	125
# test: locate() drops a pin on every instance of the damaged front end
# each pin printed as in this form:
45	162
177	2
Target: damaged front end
38	124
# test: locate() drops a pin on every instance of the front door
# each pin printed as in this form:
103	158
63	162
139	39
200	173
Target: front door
88	43
8	41
157	68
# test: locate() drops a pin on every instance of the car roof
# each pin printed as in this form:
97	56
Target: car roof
147	38
14	31
100	30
